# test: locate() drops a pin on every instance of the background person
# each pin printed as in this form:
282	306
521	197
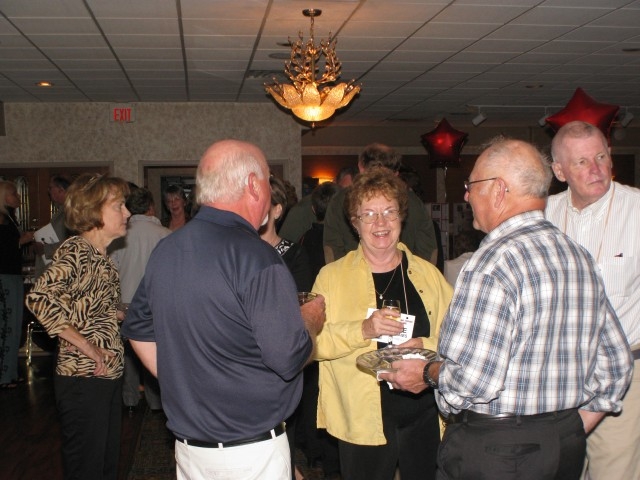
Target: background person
532	353
75	299
300	216
602	216
297	261
216	318
176	203
318	445
57	191
417	229
377	428
11	284
294	256
131	254
464	244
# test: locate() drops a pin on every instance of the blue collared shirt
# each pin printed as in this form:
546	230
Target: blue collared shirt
222	308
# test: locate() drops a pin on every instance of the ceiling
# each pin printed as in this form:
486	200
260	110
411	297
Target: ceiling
417	60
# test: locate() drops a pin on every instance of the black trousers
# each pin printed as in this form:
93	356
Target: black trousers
523	448
412	447
90	411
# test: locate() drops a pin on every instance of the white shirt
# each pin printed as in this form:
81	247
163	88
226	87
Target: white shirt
143	234
452	267
610	230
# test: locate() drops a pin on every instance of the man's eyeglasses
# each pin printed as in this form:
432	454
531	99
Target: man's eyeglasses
372	217
467	183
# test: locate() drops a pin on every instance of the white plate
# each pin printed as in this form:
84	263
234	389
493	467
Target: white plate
380	360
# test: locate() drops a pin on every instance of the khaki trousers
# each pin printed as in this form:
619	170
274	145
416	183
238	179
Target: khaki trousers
613	448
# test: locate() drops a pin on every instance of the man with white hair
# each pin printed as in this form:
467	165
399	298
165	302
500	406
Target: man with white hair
602	216
531	354
216	317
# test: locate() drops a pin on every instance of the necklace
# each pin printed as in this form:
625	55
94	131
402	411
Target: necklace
381	295
606	222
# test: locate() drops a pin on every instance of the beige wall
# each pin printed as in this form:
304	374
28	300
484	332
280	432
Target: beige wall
162	134
178	133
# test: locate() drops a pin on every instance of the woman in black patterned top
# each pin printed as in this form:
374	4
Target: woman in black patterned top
295	257
75	300
298	263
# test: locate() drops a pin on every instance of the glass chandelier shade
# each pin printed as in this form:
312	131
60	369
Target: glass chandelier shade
309	97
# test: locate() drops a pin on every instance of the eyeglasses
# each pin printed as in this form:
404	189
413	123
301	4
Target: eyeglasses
372	217
467	183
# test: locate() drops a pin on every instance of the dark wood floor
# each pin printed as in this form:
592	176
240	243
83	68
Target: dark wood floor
29	429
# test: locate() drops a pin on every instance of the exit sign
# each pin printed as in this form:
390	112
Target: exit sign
122	114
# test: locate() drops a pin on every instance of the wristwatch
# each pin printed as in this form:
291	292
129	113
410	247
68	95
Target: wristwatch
428	379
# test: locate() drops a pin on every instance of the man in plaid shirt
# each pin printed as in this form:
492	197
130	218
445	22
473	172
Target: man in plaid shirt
531	353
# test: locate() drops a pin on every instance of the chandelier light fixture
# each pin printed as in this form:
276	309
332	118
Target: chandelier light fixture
305	98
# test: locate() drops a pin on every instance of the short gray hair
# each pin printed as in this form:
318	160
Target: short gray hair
575	129
226	182
505	156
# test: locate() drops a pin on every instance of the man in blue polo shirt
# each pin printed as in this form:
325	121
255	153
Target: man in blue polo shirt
216	318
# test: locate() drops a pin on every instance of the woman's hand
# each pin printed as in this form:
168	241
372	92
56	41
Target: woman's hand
101	356
382	322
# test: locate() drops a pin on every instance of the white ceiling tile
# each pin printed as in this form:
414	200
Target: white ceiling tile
416	59
559	16
144	41
140	26
61	26
133	8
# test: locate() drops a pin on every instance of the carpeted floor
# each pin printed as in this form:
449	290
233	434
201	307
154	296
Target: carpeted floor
154	457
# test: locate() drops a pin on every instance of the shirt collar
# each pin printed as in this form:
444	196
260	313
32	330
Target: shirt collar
513	223
144	218
596	208
224	218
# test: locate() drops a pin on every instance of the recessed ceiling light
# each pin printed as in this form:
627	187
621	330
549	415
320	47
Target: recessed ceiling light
280	56
44	84
631	50
534	86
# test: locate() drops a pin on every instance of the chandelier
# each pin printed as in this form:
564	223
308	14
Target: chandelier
304	98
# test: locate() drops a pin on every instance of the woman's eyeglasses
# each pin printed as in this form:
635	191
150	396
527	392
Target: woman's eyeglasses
372	217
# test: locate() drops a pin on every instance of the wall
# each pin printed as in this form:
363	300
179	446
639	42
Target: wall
178	134
162	133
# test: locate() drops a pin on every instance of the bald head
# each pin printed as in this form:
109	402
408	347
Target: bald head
233	175
224	169
574	130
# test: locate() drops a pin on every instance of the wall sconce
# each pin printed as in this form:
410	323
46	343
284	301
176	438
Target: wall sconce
626	120
543	120
478	119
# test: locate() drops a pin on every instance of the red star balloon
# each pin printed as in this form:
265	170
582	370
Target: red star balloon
583	107
444	144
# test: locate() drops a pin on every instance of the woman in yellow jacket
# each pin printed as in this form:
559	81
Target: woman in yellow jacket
378	429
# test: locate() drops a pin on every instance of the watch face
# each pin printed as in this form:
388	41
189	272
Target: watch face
427	378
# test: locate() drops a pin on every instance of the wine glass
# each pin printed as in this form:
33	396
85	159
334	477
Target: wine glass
393	305
304	297
390	304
